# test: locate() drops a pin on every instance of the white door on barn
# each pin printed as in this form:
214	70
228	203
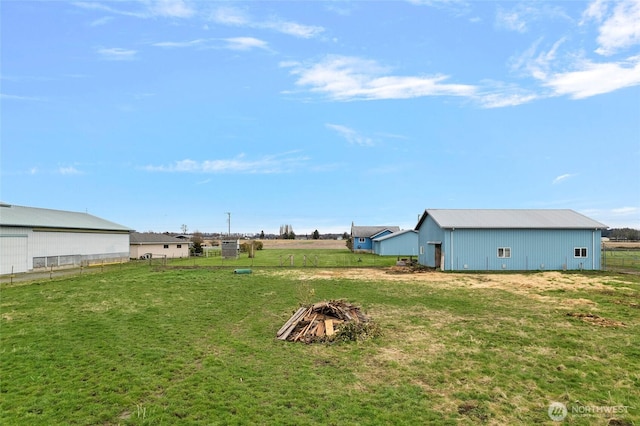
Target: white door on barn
13	254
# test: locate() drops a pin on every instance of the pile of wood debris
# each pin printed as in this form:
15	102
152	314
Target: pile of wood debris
320	321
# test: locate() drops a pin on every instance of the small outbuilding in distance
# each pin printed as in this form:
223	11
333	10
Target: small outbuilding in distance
401	243
144	245
362	236
512	239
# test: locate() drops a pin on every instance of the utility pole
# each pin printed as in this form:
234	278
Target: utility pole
229	222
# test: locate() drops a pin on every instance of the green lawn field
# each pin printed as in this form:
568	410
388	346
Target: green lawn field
194	344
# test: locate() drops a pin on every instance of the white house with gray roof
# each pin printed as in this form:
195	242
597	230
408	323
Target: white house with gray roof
511	239
149	244
35	238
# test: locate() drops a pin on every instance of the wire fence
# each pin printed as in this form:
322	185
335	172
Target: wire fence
626	260
621	259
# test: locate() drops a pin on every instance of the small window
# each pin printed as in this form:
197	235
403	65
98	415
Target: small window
504	252
362	240
166	246
580	252
421	249
179	245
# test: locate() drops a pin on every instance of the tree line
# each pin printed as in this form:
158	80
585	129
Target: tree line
625	234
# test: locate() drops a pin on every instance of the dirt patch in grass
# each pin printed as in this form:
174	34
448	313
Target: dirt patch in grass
596	319
520	283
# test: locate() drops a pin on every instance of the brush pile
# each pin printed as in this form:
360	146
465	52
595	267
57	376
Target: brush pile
322	321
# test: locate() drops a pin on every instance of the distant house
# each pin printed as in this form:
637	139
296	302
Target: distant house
363	236
401	243
456	240
34	238
149	244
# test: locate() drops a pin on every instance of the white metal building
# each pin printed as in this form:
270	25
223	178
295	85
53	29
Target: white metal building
34	238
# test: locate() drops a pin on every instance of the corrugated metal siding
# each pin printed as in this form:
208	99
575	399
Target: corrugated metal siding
83	243
531	249
14	250
44	249
404	244
472	249
428	234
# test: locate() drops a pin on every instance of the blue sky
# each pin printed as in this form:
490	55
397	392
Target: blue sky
155	114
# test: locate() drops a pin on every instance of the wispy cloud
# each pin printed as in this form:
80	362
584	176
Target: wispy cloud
171	9
626	211
590	79
352	136
537	64
117	54
20	98
501	95
245	43
180	44
279	163
456	7
101	21
351	78
562	178
519	17
104	8
69	170
146	9
234	16
513	20
618	24
232	43
571	74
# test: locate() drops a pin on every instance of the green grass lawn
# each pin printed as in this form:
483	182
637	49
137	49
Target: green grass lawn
144	345
328	258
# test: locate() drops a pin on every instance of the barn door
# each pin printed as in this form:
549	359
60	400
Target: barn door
438	255
14	254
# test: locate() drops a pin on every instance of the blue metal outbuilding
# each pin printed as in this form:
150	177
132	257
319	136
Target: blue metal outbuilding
363	236
402	243
521	240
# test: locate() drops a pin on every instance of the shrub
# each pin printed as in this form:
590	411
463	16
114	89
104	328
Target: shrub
352	331
246	247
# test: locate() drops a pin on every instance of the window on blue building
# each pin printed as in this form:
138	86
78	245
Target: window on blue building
504	252
580	252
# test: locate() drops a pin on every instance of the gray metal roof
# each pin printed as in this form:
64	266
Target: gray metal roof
153	238
33	217
370	231
511	218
